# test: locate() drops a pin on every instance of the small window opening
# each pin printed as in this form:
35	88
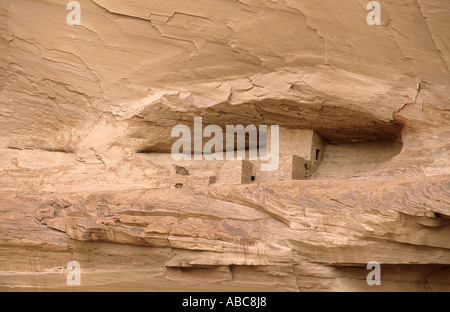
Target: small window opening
317	154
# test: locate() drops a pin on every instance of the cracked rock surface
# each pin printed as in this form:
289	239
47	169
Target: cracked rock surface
86	114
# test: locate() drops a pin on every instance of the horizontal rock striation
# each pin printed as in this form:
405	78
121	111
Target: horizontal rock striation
86	175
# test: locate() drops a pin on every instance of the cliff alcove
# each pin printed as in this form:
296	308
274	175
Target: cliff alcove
87	175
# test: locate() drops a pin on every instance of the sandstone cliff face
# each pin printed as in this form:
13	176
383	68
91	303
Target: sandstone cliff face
86	114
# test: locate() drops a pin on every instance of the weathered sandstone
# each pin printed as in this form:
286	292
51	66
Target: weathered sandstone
86	175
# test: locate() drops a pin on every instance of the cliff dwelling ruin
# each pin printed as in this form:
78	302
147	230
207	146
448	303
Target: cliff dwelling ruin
87	174
300	154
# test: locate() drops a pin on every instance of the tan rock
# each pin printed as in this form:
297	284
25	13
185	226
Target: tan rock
86	175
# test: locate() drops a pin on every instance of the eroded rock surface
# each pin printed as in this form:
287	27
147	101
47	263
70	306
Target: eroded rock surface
86	114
